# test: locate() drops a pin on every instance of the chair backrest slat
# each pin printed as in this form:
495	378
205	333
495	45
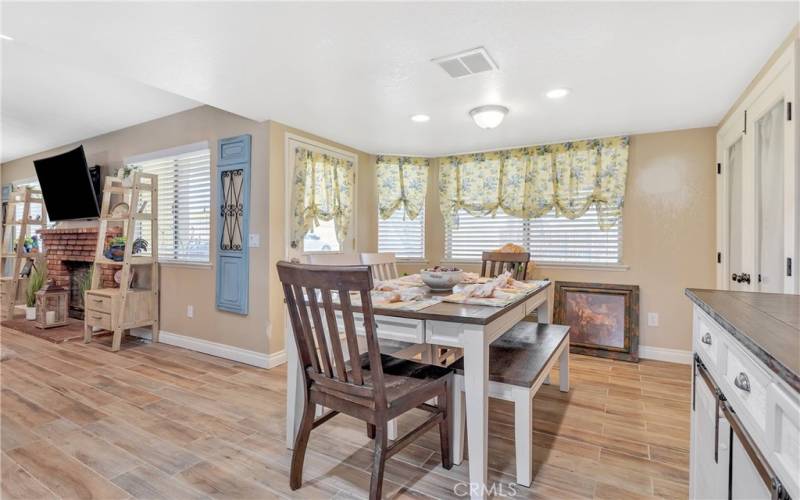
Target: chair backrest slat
350	337
333	334
495	263
302	313
319	332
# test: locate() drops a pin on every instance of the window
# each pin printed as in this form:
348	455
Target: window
548	238
321	238
184	202
403	236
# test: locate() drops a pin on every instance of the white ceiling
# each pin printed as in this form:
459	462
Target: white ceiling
355	72
49	101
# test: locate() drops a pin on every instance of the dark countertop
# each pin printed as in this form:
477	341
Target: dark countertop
766	324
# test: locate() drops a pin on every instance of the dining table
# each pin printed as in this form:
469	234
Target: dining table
470	327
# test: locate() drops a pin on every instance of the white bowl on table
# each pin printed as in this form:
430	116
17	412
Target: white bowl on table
439	280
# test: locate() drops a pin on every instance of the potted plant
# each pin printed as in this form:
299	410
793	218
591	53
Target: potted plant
86	283
139	245
126	174
35	283
116	247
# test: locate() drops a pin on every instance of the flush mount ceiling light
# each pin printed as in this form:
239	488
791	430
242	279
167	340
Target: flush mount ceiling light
420	118
557	93
6	37
488	116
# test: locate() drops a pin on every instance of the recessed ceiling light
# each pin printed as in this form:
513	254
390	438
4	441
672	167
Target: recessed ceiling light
6	37
420	118
557	93
488	116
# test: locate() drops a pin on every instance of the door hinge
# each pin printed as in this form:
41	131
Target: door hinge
744	130
789	111
719	168
759	278
719	257
788	266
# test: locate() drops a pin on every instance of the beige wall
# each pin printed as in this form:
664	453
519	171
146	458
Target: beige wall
185	285
365	216
668	231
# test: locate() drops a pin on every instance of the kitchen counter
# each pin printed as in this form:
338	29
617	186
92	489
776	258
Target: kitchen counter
766	324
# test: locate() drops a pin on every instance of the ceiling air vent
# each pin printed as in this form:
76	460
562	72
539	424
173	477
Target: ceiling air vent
466	63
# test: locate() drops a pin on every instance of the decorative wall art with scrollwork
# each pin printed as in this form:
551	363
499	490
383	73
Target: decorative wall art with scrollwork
232	209
233	195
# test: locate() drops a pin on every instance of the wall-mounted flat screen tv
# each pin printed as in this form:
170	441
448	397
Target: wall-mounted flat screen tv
67	186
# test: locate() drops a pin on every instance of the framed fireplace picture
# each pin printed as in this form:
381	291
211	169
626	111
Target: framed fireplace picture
604	318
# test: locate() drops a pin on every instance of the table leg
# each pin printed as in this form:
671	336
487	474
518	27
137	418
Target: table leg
543	311
294	393
523	435
457	419
476	388
563	370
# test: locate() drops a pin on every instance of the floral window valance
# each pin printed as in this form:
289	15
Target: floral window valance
529	182
402	183
322	191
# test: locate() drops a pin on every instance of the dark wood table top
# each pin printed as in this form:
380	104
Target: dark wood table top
457	313
767	324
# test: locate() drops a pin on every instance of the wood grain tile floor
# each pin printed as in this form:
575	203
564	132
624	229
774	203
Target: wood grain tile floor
156	421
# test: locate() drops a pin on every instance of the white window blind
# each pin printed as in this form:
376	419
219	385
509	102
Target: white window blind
548	238
403	236
184	205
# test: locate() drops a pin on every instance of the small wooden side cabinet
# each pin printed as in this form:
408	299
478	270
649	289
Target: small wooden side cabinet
104	309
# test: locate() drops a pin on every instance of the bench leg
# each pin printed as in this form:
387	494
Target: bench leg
563	369
523	435
457	418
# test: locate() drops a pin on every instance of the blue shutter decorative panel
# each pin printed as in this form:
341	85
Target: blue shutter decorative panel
233	230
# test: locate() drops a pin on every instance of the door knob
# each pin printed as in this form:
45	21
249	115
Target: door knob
735	277
744	278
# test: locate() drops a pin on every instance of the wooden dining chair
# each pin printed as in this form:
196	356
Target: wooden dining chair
495	263
383	265
333	259
369	386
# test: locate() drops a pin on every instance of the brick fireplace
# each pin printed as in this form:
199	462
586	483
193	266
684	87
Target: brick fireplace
70	253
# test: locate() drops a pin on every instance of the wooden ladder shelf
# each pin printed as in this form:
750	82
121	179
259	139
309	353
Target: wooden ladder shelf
123	308
10	285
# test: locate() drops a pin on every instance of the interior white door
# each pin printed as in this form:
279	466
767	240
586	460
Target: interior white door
734	210
757	206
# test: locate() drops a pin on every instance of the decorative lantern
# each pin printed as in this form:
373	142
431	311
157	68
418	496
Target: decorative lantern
52	302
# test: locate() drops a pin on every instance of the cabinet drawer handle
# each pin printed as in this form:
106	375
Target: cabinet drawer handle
706	339
742	382
97	317
98	300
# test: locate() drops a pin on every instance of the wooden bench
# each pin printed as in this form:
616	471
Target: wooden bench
519	363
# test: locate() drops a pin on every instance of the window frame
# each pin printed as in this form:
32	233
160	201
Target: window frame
173	152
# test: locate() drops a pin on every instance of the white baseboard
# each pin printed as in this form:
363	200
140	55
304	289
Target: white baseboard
245	356
665	354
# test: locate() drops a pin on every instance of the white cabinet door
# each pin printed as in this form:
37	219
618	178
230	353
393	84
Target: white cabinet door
709	473
746	483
